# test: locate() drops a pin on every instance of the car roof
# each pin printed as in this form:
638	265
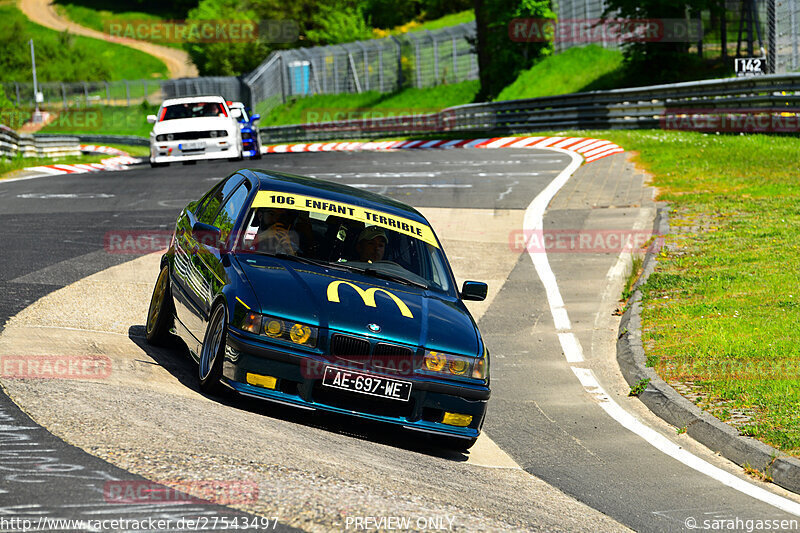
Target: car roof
291	183
193	99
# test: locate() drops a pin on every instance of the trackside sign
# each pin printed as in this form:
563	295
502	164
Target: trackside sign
370	217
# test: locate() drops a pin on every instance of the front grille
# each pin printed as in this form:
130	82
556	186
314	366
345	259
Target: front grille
347	347
392	350
187	135
353	401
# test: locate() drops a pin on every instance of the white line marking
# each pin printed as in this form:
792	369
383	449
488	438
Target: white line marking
533	221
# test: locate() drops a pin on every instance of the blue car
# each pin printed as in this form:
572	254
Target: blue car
251	140
324	297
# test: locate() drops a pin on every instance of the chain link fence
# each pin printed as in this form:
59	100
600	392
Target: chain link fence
771	25
419	59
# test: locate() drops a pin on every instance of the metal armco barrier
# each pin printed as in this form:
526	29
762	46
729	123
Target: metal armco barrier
654	107
13	144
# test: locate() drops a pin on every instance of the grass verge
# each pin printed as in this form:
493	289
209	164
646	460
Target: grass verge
66	57
578	69
721	310
112	120
327	107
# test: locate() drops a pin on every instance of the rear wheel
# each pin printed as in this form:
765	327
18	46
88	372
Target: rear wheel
213	352
160	315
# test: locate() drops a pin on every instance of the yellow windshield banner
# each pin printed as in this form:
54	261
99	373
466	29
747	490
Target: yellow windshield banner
370	217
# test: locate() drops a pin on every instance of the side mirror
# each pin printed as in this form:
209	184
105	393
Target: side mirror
474	290
236	113
152	119
206	234
255	117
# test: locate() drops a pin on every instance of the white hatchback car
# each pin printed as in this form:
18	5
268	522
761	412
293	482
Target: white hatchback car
198	127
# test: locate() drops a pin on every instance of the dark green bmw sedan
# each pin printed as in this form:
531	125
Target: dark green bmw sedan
324	297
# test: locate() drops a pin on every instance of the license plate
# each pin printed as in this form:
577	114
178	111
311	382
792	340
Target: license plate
196	145
392	389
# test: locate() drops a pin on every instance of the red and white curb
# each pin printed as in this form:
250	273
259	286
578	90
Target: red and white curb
589	149
120	161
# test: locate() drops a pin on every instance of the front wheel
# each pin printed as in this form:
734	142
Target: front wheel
160	316
213	352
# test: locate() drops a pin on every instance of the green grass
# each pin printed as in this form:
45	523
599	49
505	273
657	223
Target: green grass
454	19
66	57
320	108
97	17
721	310
574	70
112	120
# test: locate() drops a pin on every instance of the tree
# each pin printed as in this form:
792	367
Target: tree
659	62
500	59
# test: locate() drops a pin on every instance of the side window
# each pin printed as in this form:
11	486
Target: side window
227	215
208	210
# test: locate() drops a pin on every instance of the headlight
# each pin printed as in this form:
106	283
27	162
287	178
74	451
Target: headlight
170	136
162	138
276	328
454	365
480	370
213	133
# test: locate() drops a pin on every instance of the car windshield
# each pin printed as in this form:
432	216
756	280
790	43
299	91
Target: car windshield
193	110
351	238
244	118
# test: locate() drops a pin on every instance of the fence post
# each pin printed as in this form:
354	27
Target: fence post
108	94
128	92
352	64
144	86
400	79
795	37
435	58
380	69
419	65
335	74
16	86
772	41
366	66
64	96
455	61
282	82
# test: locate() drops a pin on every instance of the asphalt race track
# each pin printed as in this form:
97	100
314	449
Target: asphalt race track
551	458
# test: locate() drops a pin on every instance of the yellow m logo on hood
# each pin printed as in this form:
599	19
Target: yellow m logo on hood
367	295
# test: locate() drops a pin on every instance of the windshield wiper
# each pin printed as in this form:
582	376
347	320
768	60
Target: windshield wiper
394	277
306	260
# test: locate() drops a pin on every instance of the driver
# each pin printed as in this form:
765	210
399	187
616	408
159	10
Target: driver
275	233
371	244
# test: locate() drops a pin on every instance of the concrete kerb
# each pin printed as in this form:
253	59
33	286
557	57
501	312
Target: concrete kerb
668	404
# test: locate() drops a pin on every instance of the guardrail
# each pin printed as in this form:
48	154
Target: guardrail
13	144
658	106
131	140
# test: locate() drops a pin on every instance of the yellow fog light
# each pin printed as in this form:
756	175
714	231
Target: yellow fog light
268	382
435	361
300	333
459	366
455	419
273	328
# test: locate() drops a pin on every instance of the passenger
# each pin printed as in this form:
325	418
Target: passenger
275	234
371	244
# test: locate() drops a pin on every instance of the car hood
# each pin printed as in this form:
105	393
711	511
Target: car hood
193	124
307	293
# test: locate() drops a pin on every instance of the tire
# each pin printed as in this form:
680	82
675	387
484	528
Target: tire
161	313
213	352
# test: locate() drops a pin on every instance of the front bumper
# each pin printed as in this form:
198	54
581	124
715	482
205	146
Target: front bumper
298	387
176	151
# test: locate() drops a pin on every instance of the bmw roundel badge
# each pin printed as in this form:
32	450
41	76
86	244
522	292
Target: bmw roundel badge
374	328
